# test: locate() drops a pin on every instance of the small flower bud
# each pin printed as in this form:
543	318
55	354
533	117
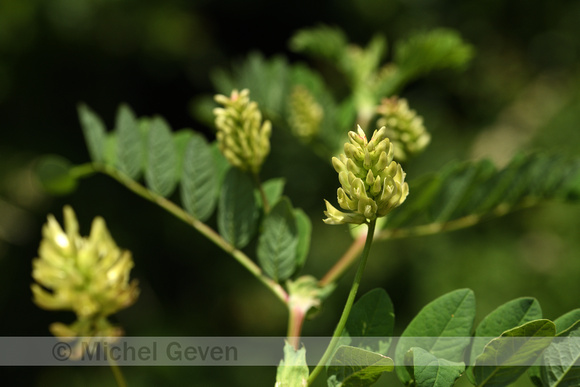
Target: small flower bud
242	137
404	127
372	184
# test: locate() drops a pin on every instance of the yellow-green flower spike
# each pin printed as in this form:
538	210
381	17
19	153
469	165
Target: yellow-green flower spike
242	137
404	128
372	184
87	275
305	114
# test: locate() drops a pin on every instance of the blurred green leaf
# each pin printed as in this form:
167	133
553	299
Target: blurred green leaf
53	172
427	370
258	74
474	191
433	50
507	357
199	179
94	131
161	158
320	42
278	242
130	145
450	315
356	367
237	208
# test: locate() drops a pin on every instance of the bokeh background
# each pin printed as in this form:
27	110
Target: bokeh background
521	91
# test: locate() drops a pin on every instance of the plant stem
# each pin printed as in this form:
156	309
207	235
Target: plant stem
295	321
204	229
117	372
348	306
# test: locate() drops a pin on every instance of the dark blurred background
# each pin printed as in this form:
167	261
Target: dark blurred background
520	92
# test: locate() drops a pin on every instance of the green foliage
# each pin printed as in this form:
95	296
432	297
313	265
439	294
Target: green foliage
511	314
94	131
428	51
292	371
199	181
504	359
427	370
561	359
238	210
130	146
161	163
371	322
304	227
476	190
450	315
278	242
356	367
322	41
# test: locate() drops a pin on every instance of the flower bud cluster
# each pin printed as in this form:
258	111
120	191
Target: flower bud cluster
87	275
242	137
405	128
372	184
305	114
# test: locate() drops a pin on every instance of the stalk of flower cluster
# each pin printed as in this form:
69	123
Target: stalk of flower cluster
347	307
372	185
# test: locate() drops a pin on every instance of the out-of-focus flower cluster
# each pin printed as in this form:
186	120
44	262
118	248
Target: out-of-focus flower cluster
405	128
87	275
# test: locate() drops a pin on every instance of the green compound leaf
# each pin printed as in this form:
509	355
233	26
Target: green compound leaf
94	131
278	242
427	370
561	360
464	194
356	367
371	321
199	179
304	227
293	370
450	315
434	50
507	357
53	172
237	208
130	144
507	316
161	158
